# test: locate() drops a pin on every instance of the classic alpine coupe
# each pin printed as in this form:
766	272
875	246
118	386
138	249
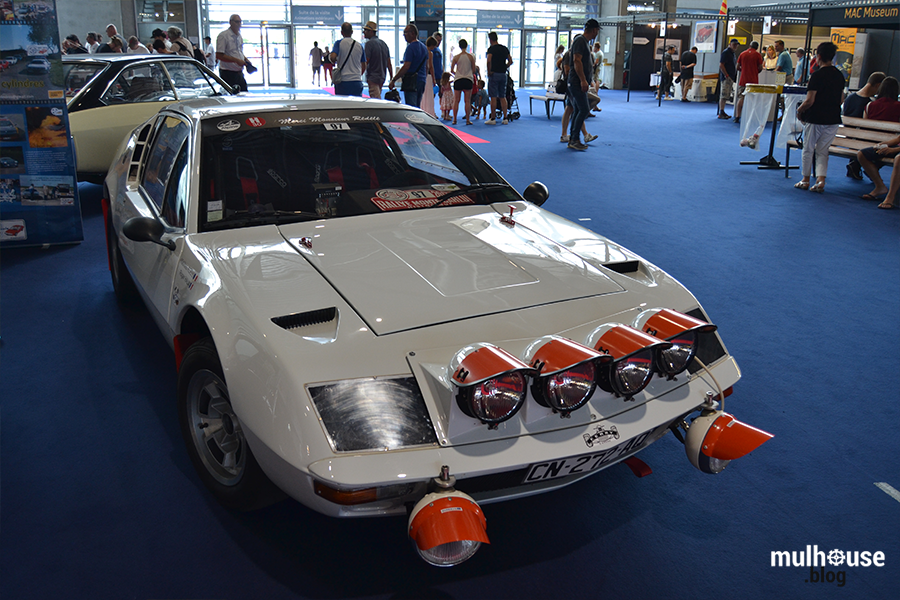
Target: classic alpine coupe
368	318
109	94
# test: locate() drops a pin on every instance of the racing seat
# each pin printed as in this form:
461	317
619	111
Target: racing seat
352	168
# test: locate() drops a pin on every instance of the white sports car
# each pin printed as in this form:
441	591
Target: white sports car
368	318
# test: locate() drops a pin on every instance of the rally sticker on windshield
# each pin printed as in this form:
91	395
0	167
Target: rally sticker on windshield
411	199
336	126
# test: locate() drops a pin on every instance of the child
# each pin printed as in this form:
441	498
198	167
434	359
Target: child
446	96
480	100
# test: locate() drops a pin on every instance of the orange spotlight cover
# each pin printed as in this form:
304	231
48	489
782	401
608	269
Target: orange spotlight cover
450	519
666	323
560	354
728	438
484	363
623	340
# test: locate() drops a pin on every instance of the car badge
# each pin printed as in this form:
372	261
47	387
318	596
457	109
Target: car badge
229	125
256	121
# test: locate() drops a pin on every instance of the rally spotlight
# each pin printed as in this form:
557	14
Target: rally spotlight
677	328
491	383
715	438
447	526
565	372
633	355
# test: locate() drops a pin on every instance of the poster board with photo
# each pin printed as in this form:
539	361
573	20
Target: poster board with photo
38	189
661	44
704	35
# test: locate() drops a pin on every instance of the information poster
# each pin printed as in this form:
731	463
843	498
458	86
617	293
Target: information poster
705	35
38	191
845	40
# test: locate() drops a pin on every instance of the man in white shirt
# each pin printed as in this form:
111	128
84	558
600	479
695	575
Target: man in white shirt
230	54
349	64
210	53
136	47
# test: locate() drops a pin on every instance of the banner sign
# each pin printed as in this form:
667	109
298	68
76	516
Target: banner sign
880	15
845	40
429	10
501	19
38	192
317	15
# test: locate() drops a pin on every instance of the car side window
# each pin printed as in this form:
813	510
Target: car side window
160	169
143	83
189	79
175	200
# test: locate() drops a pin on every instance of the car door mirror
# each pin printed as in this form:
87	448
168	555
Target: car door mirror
536	193
146	229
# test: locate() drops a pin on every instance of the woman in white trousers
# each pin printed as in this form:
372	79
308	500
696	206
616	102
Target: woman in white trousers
821	115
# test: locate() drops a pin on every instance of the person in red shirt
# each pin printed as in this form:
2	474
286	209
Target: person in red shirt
885	107
749	63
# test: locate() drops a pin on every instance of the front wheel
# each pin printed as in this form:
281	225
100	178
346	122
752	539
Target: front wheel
213	435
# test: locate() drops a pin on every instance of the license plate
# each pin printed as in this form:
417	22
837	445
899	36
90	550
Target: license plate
563	467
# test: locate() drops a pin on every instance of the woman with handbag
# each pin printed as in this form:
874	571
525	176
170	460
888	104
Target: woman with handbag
463	69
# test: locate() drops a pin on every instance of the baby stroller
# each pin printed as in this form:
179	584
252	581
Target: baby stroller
511	102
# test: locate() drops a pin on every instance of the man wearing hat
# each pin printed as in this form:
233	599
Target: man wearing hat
378	59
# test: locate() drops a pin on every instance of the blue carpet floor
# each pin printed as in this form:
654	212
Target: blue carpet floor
99	499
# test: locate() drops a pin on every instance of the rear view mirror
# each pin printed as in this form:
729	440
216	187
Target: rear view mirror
536	193
146	229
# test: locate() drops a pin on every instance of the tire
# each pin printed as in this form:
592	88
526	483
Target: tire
213	435
123	284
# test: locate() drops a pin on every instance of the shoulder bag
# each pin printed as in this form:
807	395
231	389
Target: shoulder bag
409	83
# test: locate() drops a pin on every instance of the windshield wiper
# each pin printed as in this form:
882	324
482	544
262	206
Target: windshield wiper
271	217
469	188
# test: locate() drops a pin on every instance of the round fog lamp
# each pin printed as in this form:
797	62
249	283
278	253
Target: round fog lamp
567	390
494	400
450	554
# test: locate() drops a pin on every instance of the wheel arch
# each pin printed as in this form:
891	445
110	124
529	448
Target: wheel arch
192	328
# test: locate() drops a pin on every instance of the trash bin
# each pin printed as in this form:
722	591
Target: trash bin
791	126
758	103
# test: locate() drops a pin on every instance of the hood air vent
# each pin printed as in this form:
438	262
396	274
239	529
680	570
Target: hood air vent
305	319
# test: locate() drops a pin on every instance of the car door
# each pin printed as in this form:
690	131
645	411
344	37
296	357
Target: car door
161	193
135	95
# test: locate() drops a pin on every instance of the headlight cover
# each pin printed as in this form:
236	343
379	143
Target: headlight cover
374	414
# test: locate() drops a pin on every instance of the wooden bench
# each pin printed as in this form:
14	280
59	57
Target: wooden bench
549	100
853	135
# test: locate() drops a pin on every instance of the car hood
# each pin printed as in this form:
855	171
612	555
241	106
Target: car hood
408	270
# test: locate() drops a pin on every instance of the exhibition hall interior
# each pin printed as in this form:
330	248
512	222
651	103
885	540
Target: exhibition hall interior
444	299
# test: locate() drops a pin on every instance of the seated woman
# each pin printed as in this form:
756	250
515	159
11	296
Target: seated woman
885	107
870	159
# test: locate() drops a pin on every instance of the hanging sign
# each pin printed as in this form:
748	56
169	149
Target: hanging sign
501	19
317	15
429	10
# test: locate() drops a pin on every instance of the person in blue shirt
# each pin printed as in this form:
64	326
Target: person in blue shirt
414	60
785	65
802	71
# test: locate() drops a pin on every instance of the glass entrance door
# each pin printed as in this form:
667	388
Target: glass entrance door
537	63
511	38
278	68
304	38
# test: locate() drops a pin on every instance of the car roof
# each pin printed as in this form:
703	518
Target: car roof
220	106
115	57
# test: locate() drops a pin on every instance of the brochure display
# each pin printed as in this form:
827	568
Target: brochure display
38	192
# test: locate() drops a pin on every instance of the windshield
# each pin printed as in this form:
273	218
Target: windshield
78	74
294	166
